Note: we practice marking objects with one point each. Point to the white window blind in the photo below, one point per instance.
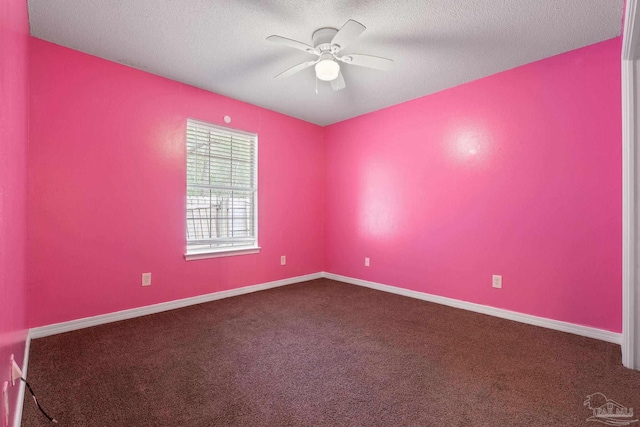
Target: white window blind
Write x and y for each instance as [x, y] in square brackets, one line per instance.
[221, 188]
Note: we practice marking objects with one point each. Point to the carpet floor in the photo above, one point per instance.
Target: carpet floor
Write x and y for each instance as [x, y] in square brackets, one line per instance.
[323, 353]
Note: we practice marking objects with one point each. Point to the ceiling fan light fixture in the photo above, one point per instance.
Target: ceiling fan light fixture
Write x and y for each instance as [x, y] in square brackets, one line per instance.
[327, 69]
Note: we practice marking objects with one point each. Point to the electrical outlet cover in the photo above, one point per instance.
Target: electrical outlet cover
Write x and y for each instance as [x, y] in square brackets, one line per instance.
[146, 279]
[496, 281]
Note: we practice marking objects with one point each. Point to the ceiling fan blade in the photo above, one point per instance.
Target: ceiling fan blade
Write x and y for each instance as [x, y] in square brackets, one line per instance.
[292, 43]
[369, 61]
[295, 69]
[338, 83]
[349, 31]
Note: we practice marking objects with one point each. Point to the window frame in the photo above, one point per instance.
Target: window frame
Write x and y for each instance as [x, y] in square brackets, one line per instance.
[204, 253]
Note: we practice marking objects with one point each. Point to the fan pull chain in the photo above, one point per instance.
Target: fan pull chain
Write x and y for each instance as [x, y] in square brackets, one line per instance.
[316, 84]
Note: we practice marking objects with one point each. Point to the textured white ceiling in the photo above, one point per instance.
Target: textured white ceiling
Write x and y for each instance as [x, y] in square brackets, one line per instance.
[220, 46]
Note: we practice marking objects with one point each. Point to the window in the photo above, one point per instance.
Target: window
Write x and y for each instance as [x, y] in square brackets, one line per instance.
[222, 191]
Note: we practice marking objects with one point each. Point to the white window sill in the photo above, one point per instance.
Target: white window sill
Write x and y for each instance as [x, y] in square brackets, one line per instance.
[191, 256]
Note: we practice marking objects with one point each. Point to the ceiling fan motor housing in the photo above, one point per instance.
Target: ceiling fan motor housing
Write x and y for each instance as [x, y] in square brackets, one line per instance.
[322, 39]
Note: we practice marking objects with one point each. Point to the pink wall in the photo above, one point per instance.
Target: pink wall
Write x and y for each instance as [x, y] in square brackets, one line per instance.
[516, 174]
[14, 98]
[107, 189]
[539, 202]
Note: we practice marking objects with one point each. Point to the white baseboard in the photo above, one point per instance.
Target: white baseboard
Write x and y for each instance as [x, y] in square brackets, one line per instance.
[86, 322]
[557, 325]
[72, 325]
[17, 417]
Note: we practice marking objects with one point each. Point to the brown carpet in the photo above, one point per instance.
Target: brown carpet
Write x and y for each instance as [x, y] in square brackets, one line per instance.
[322, 353]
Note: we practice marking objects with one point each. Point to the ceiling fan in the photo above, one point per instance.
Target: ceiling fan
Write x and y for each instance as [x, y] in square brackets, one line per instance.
[327, 43]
